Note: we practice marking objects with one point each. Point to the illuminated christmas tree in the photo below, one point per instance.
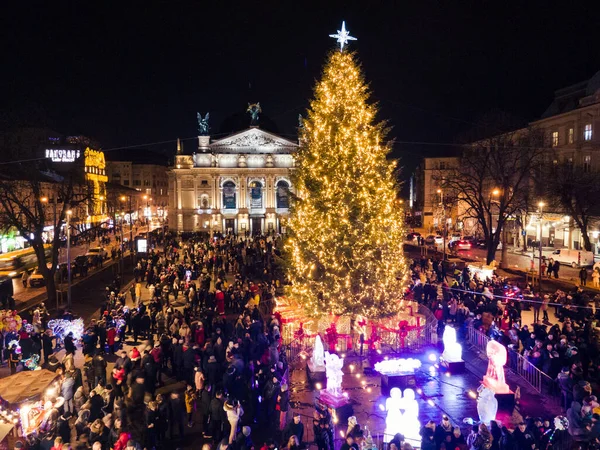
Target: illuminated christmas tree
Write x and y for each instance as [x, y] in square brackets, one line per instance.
[346, 231]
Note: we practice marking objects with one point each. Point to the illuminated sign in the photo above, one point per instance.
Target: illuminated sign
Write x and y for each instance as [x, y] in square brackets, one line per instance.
[62, 155]
[142, 245]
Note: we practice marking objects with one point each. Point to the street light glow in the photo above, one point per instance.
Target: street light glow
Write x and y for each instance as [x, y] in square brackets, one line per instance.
[541, 204]
[44, 199]
[439, 191]
[496, 191]
[69, 212]
[123, 198]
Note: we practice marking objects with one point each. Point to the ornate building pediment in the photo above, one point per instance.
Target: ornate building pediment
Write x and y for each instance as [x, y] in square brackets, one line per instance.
[254, 140]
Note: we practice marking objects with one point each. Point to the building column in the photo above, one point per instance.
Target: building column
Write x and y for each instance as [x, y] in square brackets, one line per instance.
[178, 190]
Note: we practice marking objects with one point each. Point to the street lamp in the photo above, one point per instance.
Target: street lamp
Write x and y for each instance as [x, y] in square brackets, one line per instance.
[444, 229]
[123, 198]
[541, 207]
[69, 213]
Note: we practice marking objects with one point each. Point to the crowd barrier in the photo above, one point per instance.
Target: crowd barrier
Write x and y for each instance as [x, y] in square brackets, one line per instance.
[520, 366]
[426, 334]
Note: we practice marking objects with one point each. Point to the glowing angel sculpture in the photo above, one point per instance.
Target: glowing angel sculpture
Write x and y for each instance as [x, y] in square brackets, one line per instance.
[394, 417]
[494, 378]
[318, 356]
[333, 372]
[452, 349]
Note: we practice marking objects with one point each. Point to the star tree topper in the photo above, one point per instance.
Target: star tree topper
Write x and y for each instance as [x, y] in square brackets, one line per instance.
[343, 36]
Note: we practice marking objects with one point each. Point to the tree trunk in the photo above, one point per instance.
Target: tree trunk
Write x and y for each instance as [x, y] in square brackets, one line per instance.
[587, 244]
[50, 291]
[491, 252]
[504, 261]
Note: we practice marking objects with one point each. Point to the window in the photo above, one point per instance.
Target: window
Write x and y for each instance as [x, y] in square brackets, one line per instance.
[149, 191]
[571, 135]
[555, 139]
[587, 133]
[137, 182]
[229, 199]
[442, 165]
[204, 183]
[282, 192]
[587, 163]
[125, 182]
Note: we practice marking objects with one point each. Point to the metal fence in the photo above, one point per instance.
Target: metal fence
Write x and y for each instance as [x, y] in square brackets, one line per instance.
[520, 366]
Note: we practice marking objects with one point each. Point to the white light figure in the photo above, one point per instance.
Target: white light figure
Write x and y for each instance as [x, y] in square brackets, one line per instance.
[410, 425]
[397, 366]
[394, 417]
[333, 372]
[452, 349]
[342, 36]
[487, 405]
[317, 361]
[494, 377]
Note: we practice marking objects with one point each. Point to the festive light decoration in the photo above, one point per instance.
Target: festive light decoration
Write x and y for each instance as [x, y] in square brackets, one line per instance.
[346, 230]
[317, 360]
[397, 366]
[487, 405]
[32, 363]
[410, 424]
[452, 349]
[342, 36]
[393, 419]
[333, 372]
[494, 378]
[62, 327]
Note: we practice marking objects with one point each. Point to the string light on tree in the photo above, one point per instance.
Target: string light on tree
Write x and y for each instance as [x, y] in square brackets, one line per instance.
[345, 247]
[342, 36]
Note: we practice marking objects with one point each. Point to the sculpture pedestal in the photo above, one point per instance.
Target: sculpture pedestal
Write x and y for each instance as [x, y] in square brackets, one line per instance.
[339, 403]
[506, 402]
[402, 381]
[495, 385]
[316, 374]
[453, 366]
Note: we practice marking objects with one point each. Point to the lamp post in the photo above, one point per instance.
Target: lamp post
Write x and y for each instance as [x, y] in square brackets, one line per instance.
[123, 198]
[69, 213]
[439, 191]
[541, 206]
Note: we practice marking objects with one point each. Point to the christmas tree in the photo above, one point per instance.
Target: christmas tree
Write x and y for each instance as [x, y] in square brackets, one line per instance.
[346, 230]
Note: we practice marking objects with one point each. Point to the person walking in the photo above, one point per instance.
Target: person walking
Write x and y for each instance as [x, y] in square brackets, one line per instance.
[596, 278]
[583, 276]
[555, 268]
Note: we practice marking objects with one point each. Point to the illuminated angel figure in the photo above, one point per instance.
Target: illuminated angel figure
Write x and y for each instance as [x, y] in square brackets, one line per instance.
[254, 110]
[494, 378]
[318, 356]
[333, 372]
[393, 419]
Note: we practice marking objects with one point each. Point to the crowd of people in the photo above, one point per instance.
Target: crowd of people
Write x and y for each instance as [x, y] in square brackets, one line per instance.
[567, 350]
[203, 352]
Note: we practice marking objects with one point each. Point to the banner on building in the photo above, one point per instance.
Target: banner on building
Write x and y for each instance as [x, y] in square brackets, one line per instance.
[283, 200]
[229, 197]
[256, 197]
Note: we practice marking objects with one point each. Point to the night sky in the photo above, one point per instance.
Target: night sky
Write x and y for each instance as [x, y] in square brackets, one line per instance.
[129, 73]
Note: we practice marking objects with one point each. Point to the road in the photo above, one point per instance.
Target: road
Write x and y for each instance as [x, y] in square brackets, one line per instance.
[23, 294]
[520, 261]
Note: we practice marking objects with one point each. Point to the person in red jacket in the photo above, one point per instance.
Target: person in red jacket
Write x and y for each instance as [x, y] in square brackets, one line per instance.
[111, 334]
[220, 301]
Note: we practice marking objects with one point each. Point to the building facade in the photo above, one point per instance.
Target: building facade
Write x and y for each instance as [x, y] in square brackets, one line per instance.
[145, 172]
[571, 126]
[239, 184]
[427, 197]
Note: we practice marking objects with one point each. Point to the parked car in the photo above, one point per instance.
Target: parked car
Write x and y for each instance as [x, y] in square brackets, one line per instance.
[461, 244]
[434, 239]
[455, 237]
[36, 279]
[97, 251]
[481, 243]
[414, 236]
[573, 258]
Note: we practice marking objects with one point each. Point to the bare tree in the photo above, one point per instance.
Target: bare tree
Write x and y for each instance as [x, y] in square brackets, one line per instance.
[493, 181]
[573, 189]
[34, 196]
